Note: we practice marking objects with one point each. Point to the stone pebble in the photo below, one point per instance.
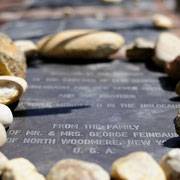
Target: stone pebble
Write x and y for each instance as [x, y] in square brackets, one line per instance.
[77, 170]
[140, 50]
[11, 89]
[137, 166]
[21, 169]
[6, 116]
[3, 135]
[161, 21]
[12, 60]
[3, 161]
[173, 68]
[80, 44]
[28, 47]
[171, 164]
[167, 49]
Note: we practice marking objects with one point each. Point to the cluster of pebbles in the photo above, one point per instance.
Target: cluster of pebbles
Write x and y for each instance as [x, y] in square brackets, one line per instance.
[86, 44]
[72, 44]
[165, 53]
[135, 166]
[12, 81]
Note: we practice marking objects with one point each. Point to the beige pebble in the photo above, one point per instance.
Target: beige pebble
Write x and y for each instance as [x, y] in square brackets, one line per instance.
[3, 135]
[11, 89]
[27, 47]
[80, 44]
[3, 161]
[76, 170]
[178, 88]
[137, 166]
[140, 50]
[20, 169]
[12, 60]
[167, 49]
[173, 68]
[171, 164]
[68, 11]
[162, 22]
[6, 117]
[121, 53]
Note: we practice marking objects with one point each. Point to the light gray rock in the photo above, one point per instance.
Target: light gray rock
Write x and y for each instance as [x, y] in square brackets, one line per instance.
[20, 169]
[6, 117]
[76, 169]
[171, 164]
[11, 89]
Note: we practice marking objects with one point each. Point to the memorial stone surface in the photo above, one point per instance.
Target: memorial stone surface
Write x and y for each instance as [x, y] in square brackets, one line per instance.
[96, 112]
[55, 3]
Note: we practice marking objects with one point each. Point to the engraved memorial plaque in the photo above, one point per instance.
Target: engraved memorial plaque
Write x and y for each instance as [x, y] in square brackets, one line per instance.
[62, 3]
[95, 112]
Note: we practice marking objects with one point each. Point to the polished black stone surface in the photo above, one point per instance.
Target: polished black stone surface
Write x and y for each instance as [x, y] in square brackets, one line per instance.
[144, 4]
[96, 112]
[36, 29]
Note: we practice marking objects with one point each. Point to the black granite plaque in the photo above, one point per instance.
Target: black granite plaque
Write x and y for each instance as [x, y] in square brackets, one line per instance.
[36, 29]
[95, 112]
[144, 4]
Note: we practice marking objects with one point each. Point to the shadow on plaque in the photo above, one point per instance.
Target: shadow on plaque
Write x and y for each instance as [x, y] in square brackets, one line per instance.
[13, 105]
[151, 66]
[167, 83]
[175, 99]
[172, 143]
[133, 27]
[37, 61]
[46, 111]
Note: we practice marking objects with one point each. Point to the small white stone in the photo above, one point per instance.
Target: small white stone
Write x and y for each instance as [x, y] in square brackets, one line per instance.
[162, 22]
[171, 164]
[77, 170]
[21, 169]
[137, 166]
[3, 135]
[6, 117]
[3, 161]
